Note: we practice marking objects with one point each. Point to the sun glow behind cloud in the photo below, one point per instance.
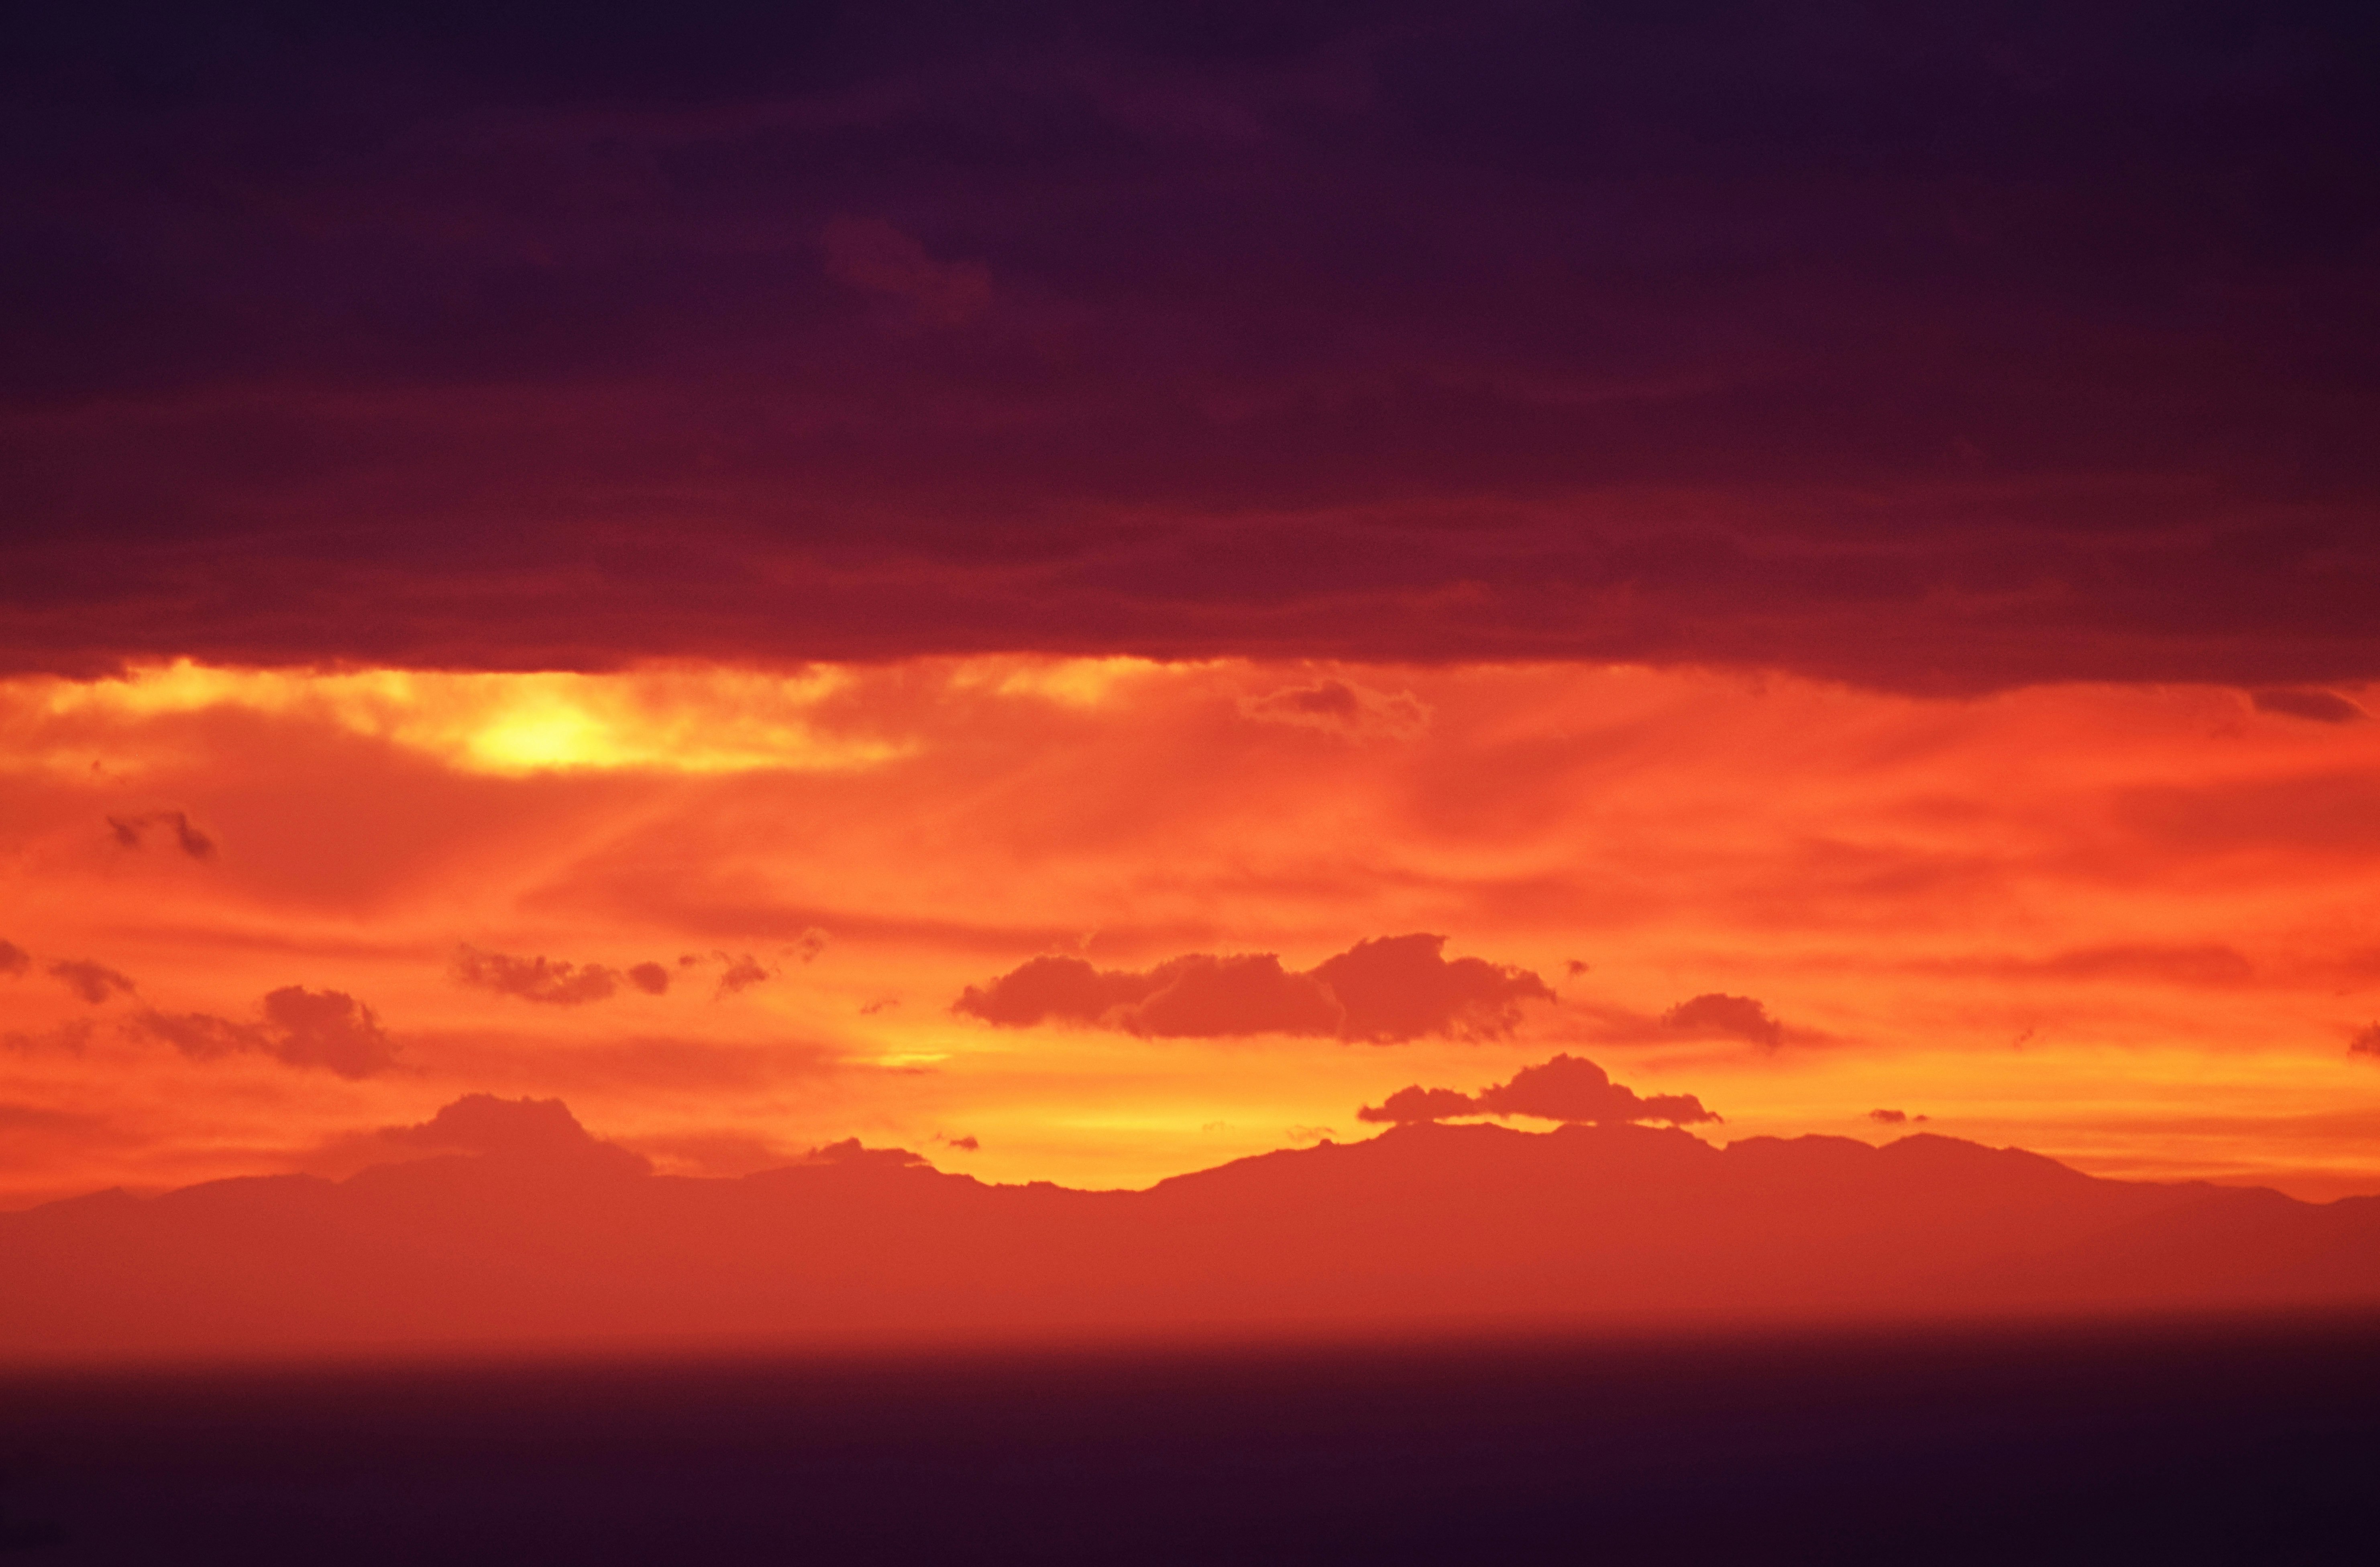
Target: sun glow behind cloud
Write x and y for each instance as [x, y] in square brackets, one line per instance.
[509, 724]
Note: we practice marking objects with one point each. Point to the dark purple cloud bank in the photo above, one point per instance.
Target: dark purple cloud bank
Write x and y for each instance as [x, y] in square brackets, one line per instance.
[1937, 349]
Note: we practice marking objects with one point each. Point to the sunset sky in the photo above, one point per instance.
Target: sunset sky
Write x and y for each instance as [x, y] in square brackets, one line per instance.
[733, 573]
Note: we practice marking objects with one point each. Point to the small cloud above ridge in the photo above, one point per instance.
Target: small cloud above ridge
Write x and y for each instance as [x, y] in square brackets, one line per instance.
[1566, 1088]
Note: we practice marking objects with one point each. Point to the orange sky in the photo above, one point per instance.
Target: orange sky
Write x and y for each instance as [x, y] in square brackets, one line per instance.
[2130, 926]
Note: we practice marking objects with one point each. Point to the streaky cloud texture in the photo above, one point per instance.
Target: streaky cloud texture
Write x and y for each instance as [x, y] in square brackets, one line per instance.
[1385, 990]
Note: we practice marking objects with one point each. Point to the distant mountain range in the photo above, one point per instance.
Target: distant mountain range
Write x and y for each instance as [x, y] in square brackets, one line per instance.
[560, 1240]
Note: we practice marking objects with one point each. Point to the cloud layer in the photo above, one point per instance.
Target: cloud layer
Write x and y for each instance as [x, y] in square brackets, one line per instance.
[1910, 348]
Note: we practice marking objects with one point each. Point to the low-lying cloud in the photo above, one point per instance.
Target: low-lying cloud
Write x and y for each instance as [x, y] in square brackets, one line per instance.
[13, 959]
[328, 1029]
[1567, 1088]
[513, 1130]
[1380, 991]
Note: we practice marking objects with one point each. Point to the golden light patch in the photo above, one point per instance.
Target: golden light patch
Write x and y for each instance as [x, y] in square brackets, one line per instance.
[511, 725]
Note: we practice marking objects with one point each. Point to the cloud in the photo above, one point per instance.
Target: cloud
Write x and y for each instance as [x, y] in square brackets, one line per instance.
[849, 1154]
[329, 1029]
[1738, 1018]
[871, 255]
[1417, 1104]
[2366, 1040]
[2316, 706]
[1401, 987]
[524, 1130]
[554, 983]
[129, 832]
[541, 980]
[969, 1144]
[740, 975]
[1384, 991]
[95, 982]
[1341, 707]
[13, 959]
[1566, 1088]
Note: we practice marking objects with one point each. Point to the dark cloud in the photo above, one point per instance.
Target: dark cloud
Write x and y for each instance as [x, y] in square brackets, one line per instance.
[1401, 987]
[538, 978]
[95, 982]
[328, 1029]
[13, 959]
[849, 1154]
[969, 1144]
[1417, 1104]
[1934, 346]
[1382, 991]
[2320, 707]
[1735, 1017]
[2365, 1041]
[541, 1131]
[1341, 707]
[650, 978]
[130, 832]
[1566, 1088]
[740, 975]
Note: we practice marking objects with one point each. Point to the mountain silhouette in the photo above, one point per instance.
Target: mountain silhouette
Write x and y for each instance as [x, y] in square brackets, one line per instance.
[555, 1239]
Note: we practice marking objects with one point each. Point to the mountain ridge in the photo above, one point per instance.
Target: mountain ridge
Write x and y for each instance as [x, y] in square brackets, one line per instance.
[1427, 1226]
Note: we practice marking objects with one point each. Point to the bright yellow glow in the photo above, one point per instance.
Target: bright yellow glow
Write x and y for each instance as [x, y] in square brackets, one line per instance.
[515, 723]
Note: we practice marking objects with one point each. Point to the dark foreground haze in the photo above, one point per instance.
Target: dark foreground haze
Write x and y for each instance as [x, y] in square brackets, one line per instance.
[2210, 1440]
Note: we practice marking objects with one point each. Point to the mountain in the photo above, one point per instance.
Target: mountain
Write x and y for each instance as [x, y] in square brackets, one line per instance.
[564, 1241]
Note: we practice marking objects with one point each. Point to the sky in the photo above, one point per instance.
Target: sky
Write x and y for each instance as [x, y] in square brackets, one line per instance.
[1093, 589]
